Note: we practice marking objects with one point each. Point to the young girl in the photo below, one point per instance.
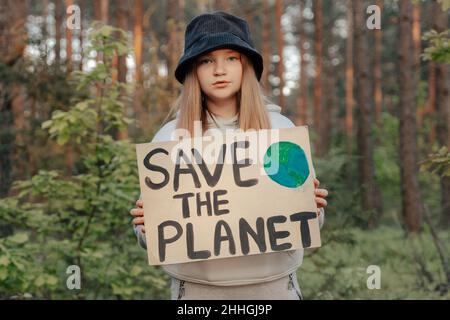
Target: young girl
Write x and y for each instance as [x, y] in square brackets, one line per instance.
[220, 72]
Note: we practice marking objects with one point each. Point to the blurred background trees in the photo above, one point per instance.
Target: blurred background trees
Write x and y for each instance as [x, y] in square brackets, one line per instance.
[74, 101]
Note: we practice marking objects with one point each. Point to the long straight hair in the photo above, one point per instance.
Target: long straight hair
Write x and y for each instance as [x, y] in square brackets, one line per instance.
[250, 101]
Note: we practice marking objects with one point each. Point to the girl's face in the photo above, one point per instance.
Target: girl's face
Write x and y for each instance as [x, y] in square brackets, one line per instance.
[220, 74]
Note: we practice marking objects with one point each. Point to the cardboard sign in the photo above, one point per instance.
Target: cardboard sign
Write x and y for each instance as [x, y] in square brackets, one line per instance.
[228, 195]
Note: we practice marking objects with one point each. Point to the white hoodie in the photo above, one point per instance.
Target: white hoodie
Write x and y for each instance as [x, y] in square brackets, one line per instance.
[236, 270]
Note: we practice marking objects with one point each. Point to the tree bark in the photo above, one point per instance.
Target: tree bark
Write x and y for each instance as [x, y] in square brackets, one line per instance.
[68, 42]
[13, 41]
[223, 5]
[280, 46]
[349, 101]
[266, 45]
[371, 200]
[317, 7]
[303, 94]
[82, 4]
[378, 94]
[411, 195]
[120, 61]
[417, 35]
[138, 17]
[329, 83]
[138, 12]
[58, 23]
[172, 45]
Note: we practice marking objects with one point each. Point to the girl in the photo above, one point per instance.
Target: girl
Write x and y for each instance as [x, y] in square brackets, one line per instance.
[220, 72]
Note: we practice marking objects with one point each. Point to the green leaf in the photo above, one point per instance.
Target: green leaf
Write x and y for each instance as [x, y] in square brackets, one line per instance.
[46, 124]
[4, 261]
[445, 4]
[40, 281]
[62, 138]
[51, 280]
[135, 271]
[19, 238]
[3, 274]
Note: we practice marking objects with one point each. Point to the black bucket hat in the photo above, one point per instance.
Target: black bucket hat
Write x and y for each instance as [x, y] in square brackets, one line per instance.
[216, 30]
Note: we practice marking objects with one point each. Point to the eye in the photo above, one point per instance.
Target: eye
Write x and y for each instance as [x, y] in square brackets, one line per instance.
[233, 58]
[205, 60]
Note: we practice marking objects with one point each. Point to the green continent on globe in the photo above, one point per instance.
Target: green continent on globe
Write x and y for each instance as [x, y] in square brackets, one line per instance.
[290, 168]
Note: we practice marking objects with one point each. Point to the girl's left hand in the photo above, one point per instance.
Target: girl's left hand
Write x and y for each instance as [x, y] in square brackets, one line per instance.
[321, 194]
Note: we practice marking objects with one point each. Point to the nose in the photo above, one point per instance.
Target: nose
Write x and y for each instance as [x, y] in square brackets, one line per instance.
[219, 68]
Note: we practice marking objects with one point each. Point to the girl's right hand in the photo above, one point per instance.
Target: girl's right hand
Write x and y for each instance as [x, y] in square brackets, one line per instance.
[138, 214]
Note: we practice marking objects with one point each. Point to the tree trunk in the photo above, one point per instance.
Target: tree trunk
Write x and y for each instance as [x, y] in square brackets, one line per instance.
[349, 81]
[223, 5]
[172, 45]
[329, 83]
[69, 149]
[371, 200]
[45, 30]
[303, 94]
[138, 12]
[266, 45]
[101, 10]
[58, 23]
[120, 61]
[104, 10]
[317, 7]
[411, 198]
[378, 94]
[13, 40]
[443, 110]
[138, 17]
[416, 34]
[82, 4]
[280, 45]
[68, 42]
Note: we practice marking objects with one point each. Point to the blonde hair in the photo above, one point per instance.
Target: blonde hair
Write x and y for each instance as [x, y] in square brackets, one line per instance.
[250, 99]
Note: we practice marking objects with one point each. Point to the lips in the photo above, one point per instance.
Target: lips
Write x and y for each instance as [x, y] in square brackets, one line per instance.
[221, 82]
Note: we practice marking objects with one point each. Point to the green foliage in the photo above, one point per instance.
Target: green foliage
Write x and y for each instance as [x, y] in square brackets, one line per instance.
[439, 48]
[54, 221]
[345, 208]
[445, 4]
[387, 168]
[81, 122]
[438, 163]
[410, 267]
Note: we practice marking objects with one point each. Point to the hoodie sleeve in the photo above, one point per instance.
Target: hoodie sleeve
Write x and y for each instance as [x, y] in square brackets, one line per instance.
[321, 217]
[322, 210]
[138, 232]
[140, 236]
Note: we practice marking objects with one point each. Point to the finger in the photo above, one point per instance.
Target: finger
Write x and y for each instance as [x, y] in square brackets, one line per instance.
[321, 202]
[137, 212]
[316, 183]
[139, 220]
[321, 192]
[140, 203]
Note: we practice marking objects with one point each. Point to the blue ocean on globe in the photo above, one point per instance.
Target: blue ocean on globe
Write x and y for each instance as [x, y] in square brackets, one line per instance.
[293, 168]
